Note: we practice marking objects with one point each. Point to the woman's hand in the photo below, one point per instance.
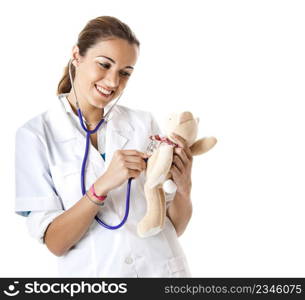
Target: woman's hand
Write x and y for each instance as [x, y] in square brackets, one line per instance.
[124, 164]
[181, 168]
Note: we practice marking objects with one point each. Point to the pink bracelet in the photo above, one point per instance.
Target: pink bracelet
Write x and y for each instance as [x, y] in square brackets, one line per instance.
[101, 198]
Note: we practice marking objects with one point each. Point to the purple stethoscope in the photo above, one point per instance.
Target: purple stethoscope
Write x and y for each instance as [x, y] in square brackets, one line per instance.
[86, 156]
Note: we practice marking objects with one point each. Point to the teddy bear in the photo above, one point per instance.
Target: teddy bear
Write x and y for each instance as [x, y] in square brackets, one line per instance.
[158, 176]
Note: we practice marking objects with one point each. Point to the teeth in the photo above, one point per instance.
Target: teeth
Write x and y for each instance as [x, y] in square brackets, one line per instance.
[102, 90]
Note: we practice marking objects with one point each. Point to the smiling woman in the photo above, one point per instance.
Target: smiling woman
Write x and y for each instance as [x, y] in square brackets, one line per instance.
[103, 60]
[101, 75]
[59, 212]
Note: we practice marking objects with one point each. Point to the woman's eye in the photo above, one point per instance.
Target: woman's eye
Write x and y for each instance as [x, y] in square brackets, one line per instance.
[125, 74]
[106, 66]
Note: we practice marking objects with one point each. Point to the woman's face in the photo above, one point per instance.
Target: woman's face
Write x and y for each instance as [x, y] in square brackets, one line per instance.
[102, 74]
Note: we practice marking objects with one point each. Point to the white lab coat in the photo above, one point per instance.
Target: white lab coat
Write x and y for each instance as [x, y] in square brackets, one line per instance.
[49, 152]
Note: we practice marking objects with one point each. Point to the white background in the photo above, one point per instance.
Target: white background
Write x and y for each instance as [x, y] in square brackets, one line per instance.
[238, 65]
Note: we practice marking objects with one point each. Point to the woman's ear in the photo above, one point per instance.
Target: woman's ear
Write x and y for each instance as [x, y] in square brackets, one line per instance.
[75, 56]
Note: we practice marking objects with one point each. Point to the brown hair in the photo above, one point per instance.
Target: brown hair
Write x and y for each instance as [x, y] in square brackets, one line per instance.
[96, 30]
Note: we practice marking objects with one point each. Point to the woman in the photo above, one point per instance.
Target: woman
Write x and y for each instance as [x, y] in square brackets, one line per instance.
[49, 153]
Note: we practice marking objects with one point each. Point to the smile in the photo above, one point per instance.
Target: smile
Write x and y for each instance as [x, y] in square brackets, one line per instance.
[103, 92]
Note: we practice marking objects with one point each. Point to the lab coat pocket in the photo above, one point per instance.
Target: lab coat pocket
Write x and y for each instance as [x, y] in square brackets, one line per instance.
[178, 267]
[70, 167]
[66, 177]
[65, 168]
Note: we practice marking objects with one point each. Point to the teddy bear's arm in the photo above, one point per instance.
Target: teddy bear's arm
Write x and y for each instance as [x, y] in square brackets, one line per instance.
[159, 165]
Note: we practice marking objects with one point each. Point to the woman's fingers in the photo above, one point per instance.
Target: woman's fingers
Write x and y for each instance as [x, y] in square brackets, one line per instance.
[178, 162]
[134, 166]
[134, 162]
[134, 153]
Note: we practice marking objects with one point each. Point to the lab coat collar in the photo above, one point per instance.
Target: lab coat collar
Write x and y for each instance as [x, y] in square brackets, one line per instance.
[68, 108]
[119, 130]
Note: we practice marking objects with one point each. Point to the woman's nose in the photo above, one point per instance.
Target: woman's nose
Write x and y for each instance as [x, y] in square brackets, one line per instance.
[111, 79]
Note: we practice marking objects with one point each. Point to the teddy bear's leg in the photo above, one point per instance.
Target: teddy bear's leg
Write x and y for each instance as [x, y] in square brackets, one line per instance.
[153, 221]
[162, 205]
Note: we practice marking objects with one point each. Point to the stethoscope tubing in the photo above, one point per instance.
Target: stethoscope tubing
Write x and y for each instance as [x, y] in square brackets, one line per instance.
[89, 132]
[83, 169]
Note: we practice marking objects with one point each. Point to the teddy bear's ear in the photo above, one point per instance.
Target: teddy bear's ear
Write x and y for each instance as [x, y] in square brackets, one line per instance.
[203, 145]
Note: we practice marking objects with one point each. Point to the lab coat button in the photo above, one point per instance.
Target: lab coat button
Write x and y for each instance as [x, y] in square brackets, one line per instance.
[128, 260]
